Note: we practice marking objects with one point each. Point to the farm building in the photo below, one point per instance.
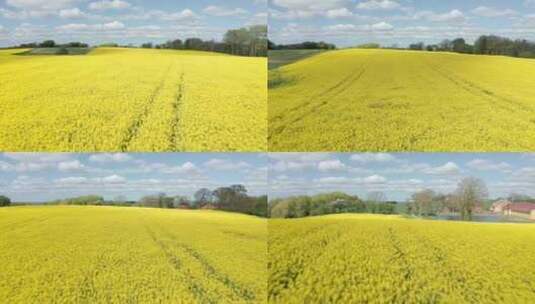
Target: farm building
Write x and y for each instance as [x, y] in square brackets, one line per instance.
[521, 209]
[184, 205]
[499, 206]
[209, 206]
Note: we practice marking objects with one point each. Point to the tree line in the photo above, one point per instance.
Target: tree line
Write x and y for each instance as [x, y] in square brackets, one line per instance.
[246, 41]
[484, 45]
[468, 197]
[329, 203]
[51, 44]
[233, 198]
[4, 201]
[307, 45]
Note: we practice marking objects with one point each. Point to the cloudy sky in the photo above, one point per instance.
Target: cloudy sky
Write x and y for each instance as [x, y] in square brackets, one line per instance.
[351, 22]
[398, 175]
[123, 21]
[37, 177]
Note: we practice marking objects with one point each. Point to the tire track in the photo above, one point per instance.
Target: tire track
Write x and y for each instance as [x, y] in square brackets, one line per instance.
[194, 287]
[480, 91]
[291, 274]
[133, 129]
[400, 256]
[175, 137]
[211, 272]
[323, 98]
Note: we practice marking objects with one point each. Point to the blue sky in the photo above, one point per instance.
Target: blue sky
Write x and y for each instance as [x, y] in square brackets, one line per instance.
[37, 177]
[398, 175]
[389, 22]
[124, 21]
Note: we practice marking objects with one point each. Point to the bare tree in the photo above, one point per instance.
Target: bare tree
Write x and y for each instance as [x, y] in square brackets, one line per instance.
[470, 193]
[203, 196]
[423, 201]
[376, 197]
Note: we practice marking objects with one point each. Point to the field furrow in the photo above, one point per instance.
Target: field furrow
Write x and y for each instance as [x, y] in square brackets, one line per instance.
[116, 99]
[131, 255]
[404, 101]
[388, 259]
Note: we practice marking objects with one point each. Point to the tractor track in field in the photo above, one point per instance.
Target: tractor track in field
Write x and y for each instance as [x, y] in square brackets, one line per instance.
[475, 89]
[243, 236]
[176, 136]
[192, 285]
[136, 125]
[322, 99]
[88, 290]
[400, 257]
[211, 273]
[442, 261]
[291, 274]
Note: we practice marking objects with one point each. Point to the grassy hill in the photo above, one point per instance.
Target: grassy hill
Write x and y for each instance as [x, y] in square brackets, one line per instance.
[80, 254]
[278, 58]
[57, 51]
[389, 259]
[391, 100]
[121, 99]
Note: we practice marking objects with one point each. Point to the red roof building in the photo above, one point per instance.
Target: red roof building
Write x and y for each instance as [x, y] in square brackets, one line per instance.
[521, 207]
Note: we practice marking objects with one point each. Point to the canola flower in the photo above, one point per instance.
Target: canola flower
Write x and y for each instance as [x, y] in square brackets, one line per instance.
[391, 100]
[115, 99]
[83, 254]
[390, 259]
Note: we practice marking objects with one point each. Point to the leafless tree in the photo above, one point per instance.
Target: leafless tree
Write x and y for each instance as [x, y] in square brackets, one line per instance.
[470, 193]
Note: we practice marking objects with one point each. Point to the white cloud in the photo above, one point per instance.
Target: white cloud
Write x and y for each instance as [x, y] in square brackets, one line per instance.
[143, 166]
[339, 13]
[310, 5]
[296, 161]
[331, 165]
[114, 25]
[485, 11]
[220, 11]
[110, 157]
[41, 5]
[113, 179]
[73, 180]
[382, 26]
[374, 179]
[373, 157]
[451, 16]
[486, 165]
[449, 168]
[341, 27]
[222, 164]
[107, 5]
[73, 165]
[72, 13]
[110, 26]
[378, 5]
[38, 157]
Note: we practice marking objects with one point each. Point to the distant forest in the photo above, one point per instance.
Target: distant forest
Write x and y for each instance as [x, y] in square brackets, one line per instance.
[233, 198]
[330, 203]
[307, 45]
[484, 45]
[249, 41]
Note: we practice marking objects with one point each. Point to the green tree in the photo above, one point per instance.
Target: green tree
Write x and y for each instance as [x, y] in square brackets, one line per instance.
[4, 201]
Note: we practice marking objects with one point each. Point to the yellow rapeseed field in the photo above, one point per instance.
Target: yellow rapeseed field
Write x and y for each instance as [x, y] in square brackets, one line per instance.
[117, 99]
[390, 100]
[389, 259]
[68, 254]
